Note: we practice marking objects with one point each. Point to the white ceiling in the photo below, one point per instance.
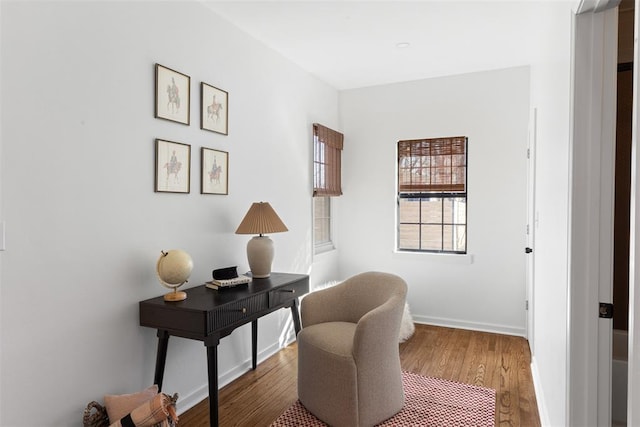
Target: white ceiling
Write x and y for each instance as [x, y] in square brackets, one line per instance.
[351, 44]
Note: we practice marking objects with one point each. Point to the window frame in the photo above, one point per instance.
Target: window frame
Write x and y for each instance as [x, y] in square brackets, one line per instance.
[327, 179]
[323, 245]
[425, 190]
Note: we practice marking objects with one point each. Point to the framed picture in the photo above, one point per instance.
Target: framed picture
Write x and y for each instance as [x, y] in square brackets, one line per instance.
[215, 172]
[173, 167]
[173, 95]
[214, 104]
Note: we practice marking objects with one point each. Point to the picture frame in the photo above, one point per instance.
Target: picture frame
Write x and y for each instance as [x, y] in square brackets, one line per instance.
[173, 167]
[173, 95]
[214, 109]
[214, 171]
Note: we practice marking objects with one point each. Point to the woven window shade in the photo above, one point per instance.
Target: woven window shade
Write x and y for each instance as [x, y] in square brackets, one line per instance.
[327, 152]
[432, 165]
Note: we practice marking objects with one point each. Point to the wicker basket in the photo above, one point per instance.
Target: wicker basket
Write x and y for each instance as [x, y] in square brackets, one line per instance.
[95, 415]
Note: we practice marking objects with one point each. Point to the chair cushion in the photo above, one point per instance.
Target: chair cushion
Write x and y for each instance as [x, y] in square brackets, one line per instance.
[332, 337]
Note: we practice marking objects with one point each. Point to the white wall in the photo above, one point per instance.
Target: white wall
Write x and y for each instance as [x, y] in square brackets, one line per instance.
[1, 210]
[485, 290]
[550, 93]
[84, 227]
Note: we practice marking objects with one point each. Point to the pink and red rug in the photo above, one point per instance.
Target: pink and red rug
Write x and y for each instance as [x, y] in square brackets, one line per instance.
[428, 402]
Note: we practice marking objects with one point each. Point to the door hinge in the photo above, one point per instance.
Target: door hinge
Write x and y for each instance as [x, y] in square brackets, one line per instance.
[606, 310]
[526, 305]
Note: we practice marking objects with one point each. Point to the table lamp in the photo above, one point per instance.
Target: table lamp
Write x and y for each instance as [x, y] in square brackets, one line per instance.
[260, 219]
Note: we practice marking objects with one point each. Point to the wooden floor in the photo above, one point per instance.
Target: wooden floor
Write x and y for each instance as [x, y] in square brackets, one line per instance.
[501, 362]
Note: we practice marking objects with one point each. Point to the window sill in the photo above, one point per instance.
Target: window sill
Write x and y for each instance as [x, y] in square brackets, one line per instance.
[323, 248]
[436, 258]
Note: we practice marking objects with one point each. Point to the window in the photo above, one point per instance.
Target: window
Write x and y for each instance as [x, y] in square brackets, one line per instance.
[322, 221]
[327, 150]
[432, 195]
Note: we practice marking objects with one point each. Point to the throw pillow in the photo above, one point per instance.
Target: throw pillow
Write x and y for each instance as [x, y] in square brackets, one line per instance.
[120, 405]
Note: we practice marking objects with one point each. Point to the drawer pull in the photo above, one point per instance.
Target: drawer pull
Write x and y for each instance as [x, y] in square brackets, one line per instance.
[293, 291]
[242, 310]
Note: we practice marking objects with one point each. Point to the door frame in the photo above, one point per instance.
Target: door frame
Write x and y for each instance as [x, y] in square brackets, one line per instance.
[633, 388]
[531, 227]
[591, 220]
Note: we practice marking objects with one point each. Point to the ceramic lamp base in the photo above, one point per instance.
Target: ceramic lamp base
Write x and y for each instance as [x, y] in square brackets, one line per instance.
[260, 254]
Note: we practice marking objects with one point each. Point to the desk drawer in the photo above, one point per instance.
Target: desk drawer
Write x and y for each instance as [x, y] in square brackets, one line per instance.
[237, 311]
[288, 292]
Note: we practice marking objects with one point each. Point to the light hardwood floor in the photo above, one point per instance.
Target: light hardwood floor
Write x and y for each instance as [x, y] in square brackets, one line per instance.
[501, 362]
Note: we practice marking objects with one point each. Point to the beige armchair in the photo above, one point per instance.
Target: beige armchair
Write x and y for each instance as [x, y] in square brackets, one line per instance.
[348, 358]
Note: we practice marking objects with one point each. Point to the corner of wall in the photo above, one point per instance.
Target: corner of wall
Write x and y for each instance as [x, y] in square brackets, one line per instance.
[540, 396]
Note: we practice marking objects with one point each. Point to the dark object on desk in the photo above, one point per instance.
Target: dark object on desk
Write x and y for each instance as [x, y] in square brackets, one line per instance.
[208, 316]
[225, 273]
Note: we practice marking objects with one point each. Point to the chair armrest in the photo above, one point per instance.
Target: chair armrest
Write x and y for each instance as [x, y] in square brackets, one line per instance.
[376, 336]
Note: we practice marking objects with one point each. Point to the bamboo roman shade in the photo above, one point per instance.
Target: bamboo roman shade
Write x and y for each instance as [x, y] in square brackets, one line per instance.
[432, 165]
[327, 152]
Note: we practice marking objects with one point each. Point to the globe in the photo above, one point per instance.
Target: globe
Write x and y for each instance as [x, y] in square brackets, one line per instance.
[174, 269]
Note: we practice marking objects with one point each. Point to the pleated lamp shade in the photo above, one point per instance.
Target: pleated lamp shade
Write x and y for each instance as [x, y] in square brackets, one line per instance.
[261, 219]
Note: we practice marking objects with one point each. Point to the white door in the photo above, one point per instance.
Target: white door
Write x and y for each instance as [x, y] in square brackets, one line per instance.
[607, 190]
[591, 262]
[531, 226]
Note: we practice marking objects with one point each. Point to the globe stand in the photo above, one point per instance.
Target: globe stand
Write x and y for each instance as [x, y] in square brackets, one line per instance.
[175, 295]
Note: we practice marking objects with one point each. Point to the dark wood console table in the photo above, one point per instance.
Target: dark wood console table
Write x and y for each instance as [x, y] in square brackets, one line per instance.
[208, 315]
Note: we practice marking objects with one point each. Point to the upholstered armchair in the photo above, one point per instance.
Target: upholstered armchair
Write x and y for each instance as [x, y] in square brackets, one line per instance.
[348, 357]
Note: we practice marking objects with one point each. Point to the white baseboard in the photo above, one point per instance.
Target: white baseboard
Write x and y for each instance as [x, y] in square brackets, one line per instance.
[473, 326]
[200, 393]
[537, 387]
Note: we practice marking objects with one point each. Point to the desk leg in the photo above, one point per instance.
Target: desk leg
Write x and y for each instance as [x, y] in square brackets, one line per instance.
[212, 365]
[296, 316]
[254, 343]
[161, 357]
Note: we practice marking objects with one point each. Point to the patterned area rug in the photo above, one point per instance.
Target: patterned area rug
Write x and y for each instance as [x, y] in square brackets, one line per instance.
[428, 402]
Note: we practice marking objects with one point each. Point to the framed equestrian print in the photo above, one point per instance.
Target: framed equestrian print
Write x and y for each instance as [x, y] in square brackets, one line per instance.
[173, 95]
[214, 171]
[214, 109]
[173, 167]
